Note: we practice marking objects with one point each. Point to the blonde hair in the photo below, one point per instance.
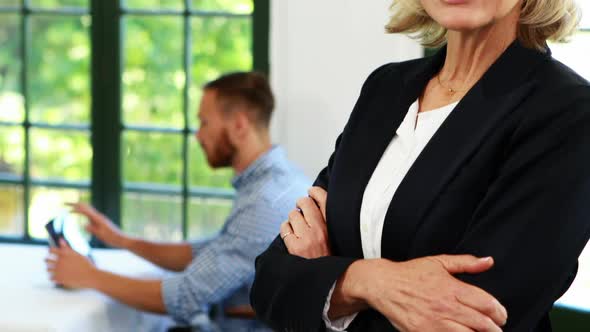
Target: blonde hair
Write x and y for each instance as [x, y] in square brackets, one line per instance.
[540, 20]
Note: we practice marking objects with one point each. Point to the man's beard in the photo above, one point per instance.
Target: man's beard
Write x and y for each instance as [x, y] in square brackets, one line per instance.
[223, 153]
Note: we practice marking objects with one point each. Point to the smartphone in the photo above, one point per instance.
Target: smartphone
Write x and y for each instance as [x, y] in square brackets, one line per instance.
[64, 227]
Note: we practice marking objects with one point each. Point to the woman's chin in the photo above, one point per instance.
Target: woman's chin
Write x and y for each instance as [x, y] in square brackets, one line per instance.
[464, 25]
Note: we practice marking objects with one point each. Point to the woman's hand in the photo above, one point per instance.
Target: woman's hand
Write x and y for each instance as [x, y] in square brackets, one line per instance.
[100, 226]
[417, 295]
[422, 294]
[305, 233]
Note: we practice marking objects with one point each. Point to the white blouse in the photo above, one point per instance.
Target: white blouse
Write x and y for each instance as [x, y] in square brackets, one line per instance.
[411, 137]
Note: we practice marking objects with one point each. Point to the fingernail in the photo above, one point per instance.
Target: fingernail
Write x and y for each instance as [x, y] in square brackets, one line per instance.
[486, 259]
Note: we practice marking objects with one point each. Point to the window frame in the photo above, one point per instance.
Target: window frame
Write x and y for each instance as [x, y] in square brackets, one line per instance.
[106, 185]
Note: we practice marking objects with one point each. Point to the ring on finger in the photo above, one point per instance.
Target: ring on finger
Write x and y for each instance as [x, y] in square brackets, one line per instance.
[283, 236]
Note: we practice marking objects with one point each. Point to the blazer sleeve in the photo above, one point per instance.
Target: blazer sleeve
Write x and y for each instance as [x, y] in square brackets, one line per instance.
[289, 292]
[535, 218]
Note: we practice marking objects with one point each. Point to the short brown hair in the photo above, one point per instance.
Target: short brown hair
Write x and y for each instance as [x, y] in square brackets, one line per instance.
[249, 88]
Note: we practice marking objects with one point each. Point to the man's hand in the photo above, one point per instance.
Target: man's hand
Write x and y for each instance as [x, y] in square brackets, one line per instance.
[100, 226]
[68, 268]
[305, 233]
[171, 256]
[422, 294]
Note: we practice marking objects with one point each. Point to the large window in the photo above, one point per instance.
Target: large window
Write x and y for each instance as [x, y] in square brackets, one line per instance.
[98, 102]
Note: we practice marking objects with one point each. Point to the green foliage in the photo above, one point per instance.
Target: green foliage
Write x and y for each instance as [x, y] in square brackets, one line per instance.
[152, 157]
[11, 3]
[59, 3]
[59, 70]
[151, 4]
[12, 153]
[153, 79]
[61, 155]
[232, 6]
[11, 101]
[11, 210]
[239, 6]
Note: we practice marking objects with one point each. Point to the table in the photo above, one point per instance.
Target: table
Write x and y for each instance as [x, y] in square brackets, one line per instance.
[29, 302]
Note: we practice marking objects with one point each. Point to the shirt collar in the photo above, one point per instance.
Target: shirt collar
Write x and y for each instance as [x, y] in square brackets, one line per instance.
[266, 160]
[406, 129]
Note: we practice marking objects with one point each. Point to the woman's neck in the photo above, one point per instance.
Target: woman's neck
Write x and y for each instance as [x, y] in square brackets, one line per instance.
[470, 54]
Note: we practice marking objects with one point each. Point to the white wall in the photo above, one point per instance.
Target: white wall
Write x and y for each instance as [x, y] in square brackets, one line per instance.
[321, 53]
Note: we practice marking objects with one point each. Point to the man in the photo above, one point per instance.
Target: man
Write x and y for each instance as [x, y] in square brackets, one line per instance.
[234, 116]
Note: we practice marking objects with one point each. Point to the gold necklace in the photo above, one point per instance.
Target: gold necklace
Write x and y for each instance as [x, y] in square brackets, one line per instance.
[451, 90]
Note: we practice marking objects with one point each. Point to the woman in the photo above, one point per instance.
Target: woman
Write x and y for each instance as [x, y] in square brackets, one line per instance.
[480, 150]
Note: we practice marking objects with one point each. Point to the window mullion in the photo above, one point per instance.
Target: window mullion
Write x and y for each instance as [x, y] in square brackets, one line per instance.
[187, 64]
[25, 48]
[260, 36]
[106, 108]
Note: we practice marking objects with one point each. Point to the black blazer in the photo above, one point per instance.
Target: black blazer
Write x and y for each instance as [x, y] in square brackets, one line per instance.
[507, 175]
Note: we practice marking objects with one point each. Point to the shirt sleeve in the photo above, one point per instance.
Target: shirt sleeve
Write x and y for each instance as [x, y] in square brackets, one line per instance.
[221, 267]
[197, 246]
[336, 325]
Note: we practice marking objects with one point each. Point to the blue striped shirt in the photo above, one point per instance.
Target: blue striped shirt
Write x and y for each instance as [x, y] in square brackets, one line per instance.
[222, 269]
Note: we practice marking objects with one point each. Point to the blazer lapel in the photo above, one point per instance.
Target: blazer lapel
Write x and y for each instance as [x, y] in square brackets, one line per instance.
[365, 148]
[486, 104]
